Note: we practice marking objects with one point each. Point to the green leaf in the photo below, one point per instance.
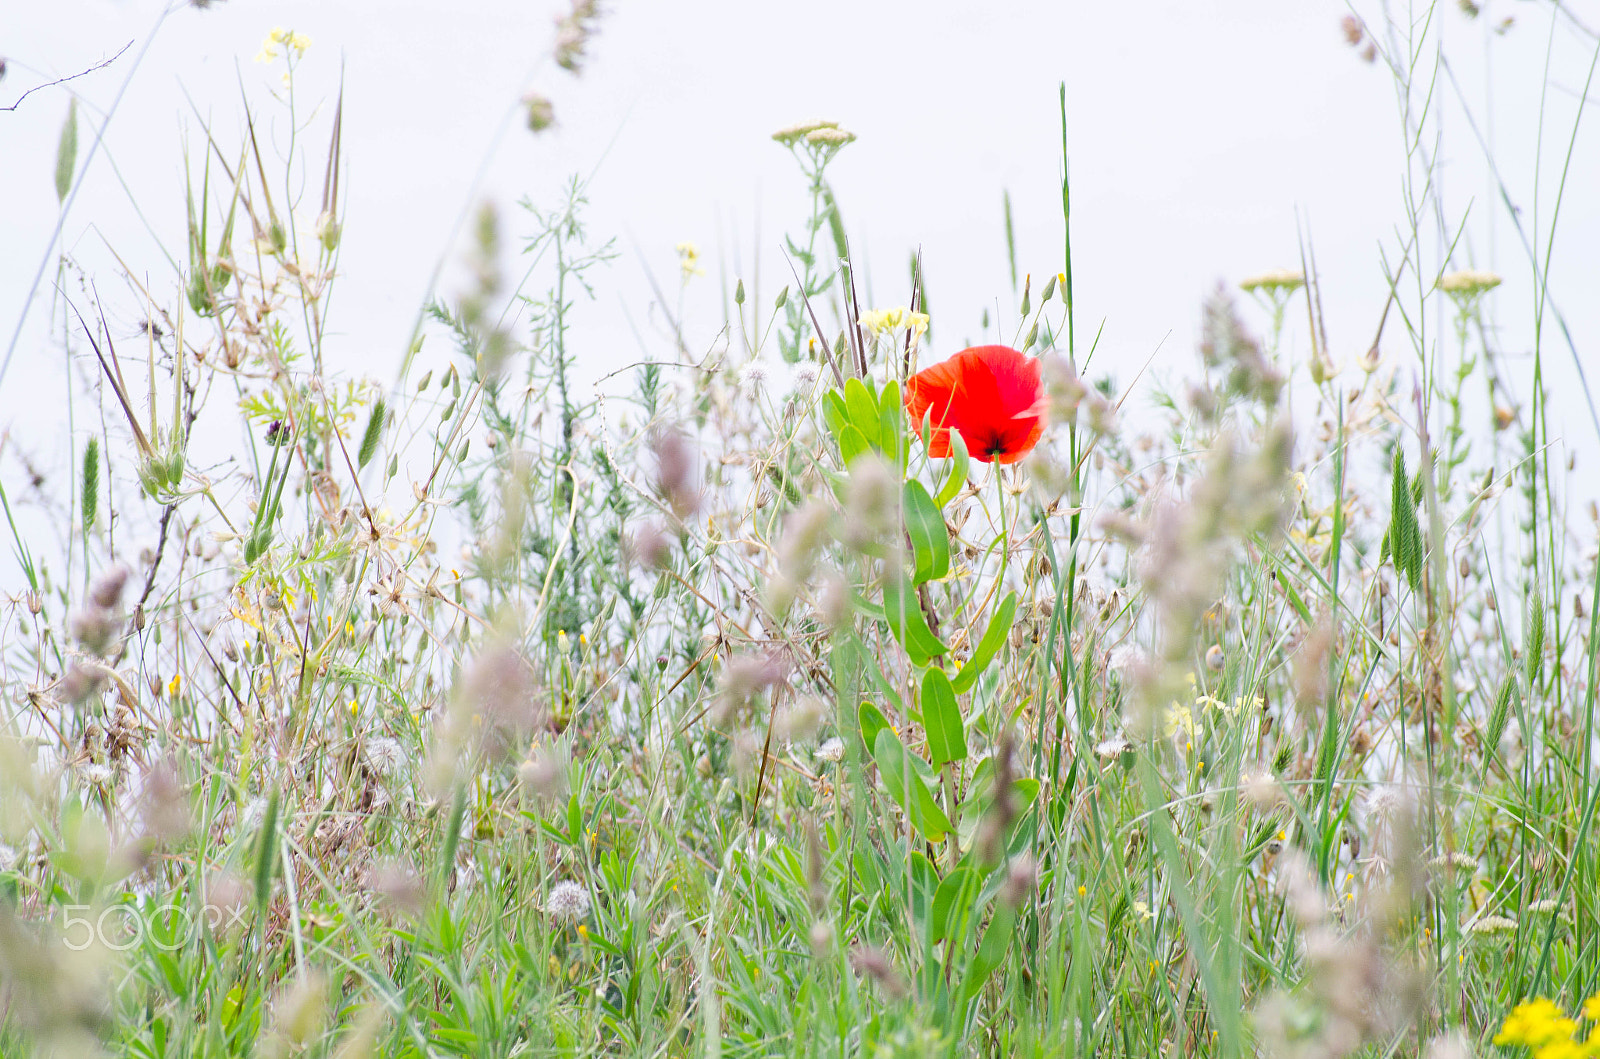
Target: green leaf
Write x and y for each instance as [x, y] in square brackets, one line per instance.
[941, 719]
[852, 444]
[67, 152]
[953, 903]
[991, 950]
[993, 637]
[374, 432]
[872, 722]
[834, 411]
[905, 785]
[267, 849]
[892, 424]
[959, 462]
[930, 540]
[924, 885]
[979, 801]
[1293, 597]
[863, 409]
[574, 820]
[903, 612]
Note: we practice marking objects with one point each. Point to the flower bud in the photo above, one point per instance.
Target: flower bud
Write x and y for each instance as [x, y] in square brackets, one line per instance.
[541, 112]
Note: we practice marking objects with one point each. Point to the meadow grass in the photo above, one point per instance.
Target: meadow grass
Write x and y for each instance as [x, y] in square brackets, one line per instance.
[482, 715]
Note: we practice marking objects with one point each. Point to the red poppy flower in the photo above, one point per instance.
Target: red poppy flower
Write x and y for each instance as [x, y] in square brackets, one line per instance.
[991, 394]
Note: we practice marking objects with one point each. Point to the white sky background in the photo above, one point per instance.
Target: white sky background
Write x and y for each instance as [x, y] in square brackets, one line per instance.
[1197, 129]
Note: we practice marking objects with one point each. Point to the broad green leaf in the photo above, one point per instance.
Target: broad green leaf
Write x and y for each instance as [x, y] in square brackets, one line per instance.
[953, 903]
[892, 424]
[930, 540]
[959, 463]
[852, 444]
[872, 722]
[903, 612]
[574, 820]
[869, 866]
[941, 719]
[924, 884]
[991, 950]
[863, 409]
[67, 152]
[834, 411]
[993, 637]
[903, 781]
[979, 800]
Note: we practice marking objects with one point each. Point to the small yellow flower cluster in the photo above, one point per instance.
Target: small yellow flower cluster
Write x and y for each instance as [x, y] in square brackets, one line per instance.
[689, 260]
[1274, 280]
[818, 132]
[286, 38]
[1544, 1029]
[1180, 718]
[890, 321]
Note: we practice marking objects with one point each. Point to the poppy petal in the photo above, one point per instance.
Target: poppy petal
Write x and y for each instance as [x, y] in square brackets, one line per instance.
[991, 394]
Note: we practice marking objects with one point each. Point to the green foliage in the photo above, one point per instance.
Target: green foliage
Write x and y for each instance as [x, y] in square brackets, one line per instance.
[685, 717]
[67, 151]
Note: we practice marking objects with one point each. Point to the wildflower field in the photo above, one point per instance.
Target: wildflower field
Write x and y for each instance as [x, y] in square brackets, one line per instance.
[815, 685]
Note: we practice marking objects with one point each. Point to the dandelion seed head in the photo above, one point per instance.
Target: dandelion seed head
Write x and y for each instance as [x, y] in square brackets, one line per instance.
[568, 900]
[1113, 748]
[832, 750]
[385, 756]
[754, 375]
[1127, 660]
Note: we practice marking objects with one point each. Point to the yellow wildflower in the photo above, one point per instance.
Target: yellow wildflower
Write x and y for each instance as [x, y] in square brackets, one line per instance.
[1179, 718]
[1535, 1023]
[890, 321]
[286, 38]
[1275, 280]
[689, 260]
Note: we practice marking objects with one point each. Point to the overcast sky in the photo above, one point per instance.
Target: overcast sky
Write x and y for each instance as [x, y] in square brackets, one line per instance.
[1200, 134]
